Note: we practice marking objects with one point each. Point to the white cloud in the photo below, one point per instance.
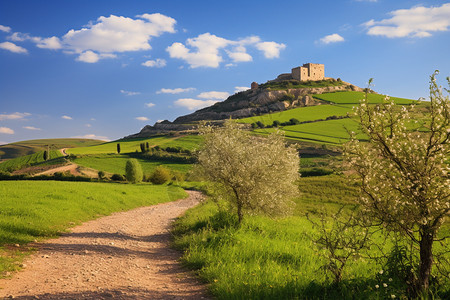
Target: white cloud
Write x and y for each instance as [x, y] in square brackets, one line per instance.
[149, 104]
[5, 28]
[49, 43]
[175, 91]
[270, 49]
[142, 118]
[31, 128]
[158, 63]
[88, 125]
[12, 47]
[92, 57]
[214, 95]
[66, 118]
[417, 21]
[14, 116]
[331, 38]
[205, 50]
[238, 89]
[128, 93]
[92, 137]
[194, 104]
[6, 130]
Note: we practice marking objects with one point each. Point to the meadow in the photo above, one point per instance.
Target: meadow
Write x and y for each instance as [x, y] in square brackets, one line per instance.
[268, 258]
[115, 163]
[36, 210]
[30, 160]
[355, 97]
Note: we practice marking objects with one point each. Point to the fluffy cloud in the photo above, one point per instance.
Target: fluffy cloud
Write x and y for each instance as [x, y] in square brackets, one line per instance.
[238, 89]
[214, 95]
[103, 38]
[158, 63]
[6, 130]
[332, 38]
[66, 118]
[14, 116]
[417, 21]
[270, 49]
[92, 137]
[142, 118]
[206, 50]
[31, 128]
[128, 93]
[175, 91]
[150, 104]
[5, 28]
[194, 104]
[12, 47]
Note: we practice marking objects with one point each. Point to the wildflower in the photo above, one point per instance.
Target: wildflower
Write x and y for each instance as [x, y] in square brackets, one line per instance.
[377, 286]
[381, 272]
[392, 296]
[390, 279]
[385, 285]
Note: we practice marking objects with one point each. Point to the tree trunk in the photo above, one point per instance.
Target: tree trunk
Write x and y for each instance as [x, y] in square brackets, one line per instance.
[426, 259]
[239, 212]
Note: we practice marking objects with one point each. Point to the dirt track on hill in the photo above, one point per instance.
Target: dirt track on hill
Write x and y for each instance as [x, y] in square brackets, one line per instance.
[122, 256]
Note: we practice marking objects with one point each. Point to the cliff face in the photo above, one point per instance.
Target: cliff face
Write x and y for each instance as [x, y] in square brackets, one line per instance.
[261, 101]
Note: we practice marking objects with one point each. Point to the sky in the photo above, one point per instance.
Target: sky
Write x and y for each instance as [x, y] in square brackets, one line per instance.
[104, 69]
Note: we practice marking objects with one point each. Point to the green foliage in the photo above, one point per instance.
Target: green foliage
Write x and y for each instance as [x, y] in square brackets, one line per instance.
[356, 97]
[45, 156]
[101, 175]
[117, 177]
[160, 175]
[295, 84]
[254, 175]
[133, 171]
[118, 148]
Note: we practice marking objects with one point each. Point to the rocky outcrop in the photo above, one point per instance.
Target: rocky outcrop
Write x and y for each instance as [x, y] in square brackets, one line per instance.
[262, 101]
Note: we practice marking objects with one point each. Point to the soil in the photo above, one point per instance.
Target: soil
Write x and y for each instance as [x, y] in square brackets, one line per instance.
[123, 256]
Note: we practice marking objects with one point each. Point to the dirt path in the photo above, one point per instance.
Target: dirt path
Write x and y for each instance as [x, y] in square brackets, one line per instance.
[122, 256]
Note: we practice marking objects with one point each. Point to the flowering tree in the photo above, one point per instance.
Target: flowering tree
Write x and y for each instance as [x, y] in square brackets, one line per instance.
[404, 170]
[254, 174]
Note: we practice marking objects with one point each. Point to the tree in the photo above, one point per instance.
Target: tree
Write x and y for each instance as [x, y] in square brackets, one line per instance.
[402, 170]
[160, 175]
[45, 155]
[253, 174]
[142, 145]
[118, 148]
[133, 171]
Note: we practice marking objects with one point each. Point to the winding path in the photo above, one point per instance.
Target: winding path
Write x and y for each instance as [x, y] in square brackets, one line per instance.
[122, 256]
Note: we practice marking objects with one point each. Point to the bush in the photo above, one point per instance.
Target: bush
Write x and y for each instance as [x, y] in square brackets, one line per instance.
[160, 175]
[276, 123]
[178, 176]
[133, 171]
[117, 177]
[101, 175]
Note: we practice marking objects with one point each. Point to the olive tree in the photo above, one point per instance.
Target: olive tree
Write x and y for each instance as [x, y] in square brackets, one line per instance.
[254, 174]
[404, 172]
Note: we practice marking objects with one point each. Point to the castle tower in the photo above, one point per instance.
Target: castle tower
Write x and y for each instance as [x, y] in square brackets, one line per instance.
[254, 85]
[309, 71]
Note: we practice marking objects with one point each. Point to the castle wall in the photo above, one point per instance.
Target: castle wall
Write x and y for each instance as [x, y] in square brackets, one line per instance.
[309, 72]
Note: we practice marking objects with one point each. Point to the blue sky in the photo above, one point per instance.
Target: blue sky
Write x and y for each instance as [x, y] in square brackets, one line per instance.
[106, 68]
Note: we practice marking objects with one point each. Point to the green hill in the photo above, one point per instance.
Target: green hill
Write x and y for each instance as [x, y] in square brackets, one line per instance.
[19, 149]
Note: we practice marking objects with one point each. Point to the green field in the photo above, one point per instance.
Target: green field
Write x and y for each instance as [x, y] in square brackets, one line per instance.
[309, 113]
[18, 149]
[35, 210]
[29, 160]
[127, 146]
[114, 163]
[276, 258]
[355, 97]
[325, 132]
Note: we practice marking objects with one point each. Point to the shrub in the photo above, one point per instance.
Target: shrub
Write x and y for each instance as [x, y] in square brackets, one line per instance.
[133, 171]
[177, 176]
[276, 123]
[160, 175]
[117, 177]
[101, 175]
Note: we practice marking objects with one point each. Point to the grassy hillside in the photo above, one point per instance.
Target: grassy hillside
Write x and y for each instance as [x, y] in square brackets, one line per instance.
[355, 97]
[18, 149]
[35, 210]
[132, 145]
[29, 160]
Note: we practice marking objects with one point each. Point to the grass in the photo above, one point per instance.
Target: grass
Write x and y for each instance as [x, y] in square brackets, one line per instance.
[29, 160]
[275, 258]
[23, 148]
[132, 145]
[114, 163]
[295, 84]
[37, 210]
[355, 97]
[325, 132]
[309, 113]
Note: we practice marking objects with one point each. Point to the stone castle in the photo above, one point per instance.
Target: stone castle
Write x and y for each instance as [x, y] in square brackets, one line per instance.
[308, 71]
